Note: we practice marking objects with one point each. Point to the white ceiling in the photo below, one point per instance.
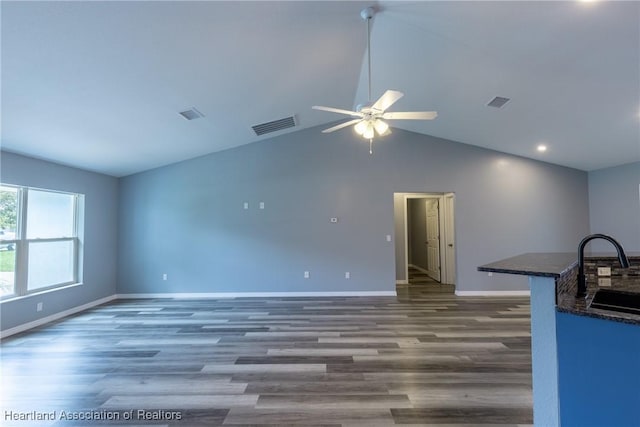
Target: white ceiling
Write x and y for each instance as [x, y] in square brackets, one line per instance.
[98, 85]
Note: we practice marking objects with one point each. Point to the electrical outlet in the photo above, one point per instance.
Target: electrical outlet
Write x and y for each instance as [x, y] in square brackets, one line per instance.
[39, 306]
[605, 282]
[388, 237]
[246, 205]
[261, 205]
[164, 276]
[306, 274]
[604, 271]
[490, 274]
[347, 275]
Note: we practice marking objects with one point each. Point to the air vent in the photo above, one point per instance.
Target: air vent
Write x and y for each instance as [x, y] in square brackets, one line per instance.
[274, 126]
[498, 102]
[191, 114]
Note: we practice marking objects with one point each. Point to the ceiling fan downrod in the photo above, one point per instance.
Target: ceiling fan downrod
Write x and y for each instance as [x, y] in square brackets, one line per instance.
[367, 14]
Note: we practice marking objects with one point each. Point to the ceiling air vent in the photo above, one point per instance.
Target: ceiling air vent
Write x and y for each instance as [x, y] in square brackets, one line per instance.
[498, 102]
[274, 126]
[191, 114]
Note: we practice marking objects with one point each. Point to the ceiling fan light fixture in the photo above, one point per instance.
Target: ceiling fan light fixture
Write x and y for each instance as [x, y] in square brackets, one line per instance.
[360, 127]
[368, 133]
[381, 127]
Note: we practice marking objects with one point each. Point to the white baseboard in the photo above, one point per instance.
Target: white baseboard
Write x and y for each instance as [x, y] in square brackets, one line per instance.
[493, 293]
[56, 316]
[258, 294]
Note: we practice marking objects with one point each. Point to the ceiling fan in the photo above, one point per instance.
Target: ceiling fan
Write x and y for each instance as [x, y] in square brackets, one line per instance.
[368, 118]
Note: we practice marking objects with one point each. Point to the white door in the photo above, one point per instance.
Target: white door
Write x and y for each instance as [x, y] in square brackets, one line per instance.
[433, 240]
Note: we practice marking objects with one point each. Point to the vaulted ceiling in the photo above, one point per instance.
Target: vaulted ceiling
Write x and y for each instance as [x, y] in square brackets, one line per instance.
[98, 85]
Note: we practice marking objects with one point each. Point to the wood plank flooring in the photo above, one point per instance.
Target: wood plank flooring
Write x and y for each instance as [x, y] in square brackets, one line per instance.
[422, 358]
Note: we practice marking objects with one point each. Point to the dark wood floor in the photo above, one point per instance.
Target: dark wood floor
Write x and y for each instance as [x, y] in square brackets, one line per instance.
[423, 358]
[420, 278]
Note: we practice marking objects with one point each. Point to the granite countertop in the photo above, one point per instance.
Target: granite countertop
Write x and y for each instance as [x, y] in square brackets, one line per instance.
[569, 303]
[563, 266]
[544, 264]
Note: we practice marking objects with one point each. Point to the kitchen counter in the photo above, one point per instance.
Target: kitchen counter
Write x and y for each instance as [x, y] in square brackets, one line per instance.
[569, 339]
[569, 303]
[543, 264]
[563, 268]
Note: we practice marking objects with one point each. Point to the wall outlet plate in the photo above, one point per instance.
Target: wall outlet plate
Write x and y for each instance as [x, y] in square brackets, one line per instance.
[306, 274]
[606, 282]
[604, 271]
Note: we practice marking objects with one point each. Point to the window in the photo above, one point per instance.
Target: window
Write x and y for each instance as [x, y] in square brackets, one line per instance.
[39, 239]
[8, 227]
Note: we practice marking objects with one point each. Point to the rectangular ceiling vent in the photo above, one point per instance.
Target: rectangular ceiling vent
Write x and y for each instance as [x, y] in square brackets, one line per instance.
[191, 114]
[498, 102]
[274, 126]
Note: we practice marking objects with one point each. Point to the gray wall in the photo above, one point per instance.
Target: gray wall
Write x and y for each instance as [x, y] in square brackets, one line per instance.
[101, 198]
[187, 219]
[614, 206]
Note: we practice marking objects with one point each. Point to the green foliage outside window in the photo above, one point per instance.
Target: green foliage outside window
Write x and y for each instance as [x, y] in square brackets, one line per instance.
[8, 211]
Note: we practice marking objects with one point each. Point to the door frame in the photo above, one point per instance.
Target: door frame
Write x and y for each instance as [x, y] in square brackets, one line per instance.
[448, 239]
[446, 219]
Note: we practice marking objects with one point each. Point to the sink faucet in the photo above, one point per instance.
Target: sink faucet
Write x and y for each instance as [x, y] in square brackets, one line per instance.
[582, 281]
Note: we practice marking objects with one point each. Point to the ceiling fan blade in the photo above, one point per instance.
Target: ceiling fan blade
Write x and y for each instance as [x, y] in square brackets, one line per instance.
[338, 110]
[410, 115]
[387, 100]
[341, 125]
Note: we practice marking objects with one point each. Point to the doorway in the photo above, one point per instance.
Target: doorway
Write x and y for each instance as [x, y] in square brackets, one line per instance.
[425, 238]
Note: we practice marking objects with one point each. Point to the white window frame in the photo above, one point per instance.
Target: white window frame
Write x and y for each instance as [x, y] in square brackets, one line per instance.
[22, 243]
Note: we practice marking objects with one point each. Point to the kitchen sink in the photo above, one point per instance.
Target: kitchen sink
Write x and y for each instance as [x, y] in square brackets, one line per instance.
[625, 302]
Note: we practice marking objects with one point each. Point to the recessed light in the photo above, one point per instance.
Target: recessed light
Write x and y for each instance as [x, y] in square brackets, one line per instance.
[541, 148]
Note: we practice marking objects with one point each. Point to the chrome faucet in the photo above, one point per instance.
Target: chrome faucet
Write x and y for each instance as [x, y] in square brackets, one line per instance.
[582, 281]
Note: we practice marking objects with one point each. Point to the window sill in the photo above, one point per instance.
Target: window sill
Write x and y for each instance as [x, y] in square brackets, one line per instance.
[40, 293]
